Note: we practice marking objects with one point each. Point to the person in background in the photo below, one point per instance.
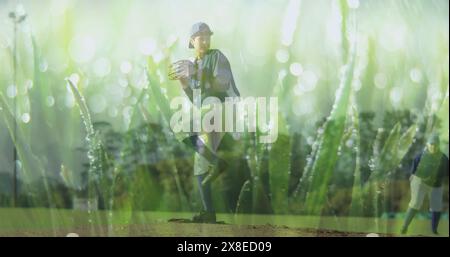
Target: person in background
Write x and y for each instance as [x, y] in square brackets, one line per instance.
[429, 172]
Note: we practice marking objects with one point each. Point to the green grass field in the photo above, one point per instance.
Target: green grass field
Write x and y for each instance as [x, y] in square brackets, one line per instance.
[37, 222]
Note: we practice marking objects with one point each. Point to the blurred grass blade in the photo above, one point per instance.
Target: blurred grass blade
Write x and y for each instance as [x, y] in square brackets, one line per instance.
[95, 171]
[387, 154]
[327, 153]
[279, 166]
[137, 110]
[393, 151]
[405, 142]
[344, 10]
[244, 204]
[356, 206]
[84, 111]
[299, 195]
[164, 107]
[261, 198]
[155, 89]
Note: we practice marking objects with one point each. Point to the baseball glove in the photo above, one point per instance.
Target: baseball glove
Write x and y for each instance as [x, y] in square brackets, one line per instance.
[182, 69]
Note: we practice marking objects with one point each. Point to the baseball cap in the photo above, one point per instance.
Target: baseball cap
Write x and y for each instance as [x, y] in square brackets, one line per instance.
[199, 28]
[433, 139]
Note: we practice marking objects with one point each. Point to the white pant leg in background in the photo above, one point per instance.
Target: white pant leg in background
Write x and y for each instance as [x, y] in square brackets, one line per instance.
[418, 192]
[436, 194]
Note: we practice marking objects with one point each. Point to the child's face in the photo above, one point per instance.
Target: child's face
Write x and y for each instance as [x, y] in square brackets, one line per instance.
[201, 43]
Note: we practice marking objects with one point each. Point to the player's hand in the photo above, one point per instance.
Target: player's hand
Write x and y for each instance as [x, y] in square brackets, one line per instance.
[182, 69]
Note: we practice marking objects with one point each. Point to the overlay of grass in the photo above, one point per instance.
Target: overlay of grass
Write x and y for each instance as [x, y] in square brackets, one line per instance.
[389, 93]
